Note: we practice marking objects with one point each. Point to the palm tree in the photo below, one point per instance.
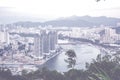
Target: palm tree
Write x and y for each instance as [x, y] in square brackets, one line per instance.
[100, 74]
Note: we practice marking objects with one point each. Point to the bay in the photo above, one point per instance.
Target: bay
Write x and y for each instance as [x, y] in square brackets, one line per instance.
[85, 53]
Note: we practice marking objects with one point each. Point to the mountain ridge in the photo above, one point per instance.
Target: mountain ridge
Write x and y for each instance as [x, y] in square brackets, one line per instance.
[74, 21]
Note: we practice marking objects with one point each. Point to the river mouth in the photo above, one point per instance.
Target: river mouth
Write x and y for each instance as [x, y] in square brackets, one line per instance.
[85, 53]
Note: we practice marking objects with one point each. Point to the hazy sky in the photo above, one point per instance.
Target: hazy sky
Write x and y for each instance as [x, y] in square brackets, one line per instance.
[61, 8]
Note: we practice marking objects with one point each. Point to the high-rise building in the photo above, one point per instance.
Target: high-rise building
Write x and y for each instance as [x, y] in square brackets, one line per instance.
[41, 43]
[53, 39]
[37, 46]
[45, 42]
[109, 36]
[4, 37]
[7, 37]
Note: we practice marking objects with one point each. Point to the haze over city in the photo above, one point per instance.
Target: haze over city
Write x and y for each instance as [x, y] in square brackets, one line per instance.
[59, 39]
[44, 10]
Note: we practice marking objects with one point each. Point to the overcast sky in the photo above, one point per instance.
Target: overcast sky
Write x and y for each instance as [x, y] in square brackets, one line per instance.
[60, 8]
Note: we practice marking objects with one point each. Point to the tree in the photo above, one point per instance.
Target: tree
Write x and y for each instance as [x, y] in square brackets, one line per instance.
[71, 60]
[71, 53]
[98, 0]
[105, 67]
[74, 74]
[53, 75]
[100, 74]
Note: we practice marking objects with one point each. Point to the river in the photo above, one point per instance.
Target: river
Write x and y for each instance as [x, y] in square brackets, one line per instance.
[85, 53]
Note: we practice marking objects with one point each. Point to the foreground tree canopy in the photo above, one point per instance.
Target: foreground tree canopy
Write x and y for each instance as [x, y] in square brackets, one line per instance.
[105, 67]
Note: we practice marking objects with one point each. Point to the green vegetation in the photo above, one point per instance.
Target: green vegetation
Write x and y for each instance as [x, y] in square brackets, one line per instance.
[98, 0]
[71, 60]
[105, 67]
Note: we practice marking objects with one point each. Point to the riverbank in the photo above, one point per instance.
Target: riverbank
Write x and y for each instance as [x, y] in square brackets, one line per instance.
[85, 53]
[106, 48]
